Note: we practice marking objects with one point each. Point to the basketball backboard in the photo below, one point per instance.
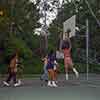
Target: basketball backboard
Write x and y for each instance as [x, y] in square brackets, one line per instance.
[69, 24]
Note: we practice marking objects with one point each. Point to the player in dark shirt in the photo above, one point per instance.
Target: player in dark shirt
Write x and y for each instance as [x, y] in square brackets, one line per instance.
[50, 68]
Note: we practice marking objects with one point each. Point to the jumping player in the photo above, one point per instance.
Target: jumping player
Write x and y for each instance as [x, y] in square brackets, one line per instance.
[68, 64]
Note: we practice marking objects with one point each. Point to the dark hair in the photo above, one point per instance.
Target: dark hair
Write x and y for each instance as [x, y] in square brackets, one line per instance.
[68, 30]
[12, 56]
[9, 58]
[65, 44]
[51, 52]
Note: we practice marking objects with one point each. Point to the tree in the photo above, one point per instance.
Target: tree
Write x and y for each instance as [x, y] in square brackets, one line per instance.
[20, 19]
[82, 10]
[17, 25]
[47, 11]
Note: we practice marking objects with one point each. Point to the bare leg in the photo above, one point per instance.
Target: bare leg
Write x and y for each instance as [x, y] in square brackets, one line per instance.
[52, 78]
[74, 70]
[66, 71]
[55, 74]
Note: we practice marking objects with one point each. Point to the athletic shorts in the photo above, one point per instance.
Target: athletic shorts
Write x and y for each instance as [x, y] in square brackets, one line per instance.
[50, 66]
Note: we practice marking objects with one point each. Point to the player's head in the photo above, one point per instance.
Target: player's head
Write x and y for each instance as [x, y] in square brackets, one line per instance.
[68, 30]
[67, 33]
[51, 51]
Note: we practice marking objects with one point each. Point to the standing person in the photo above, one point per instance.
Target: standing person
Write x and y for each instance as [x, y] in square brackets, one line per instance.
[12, 70]
[56, 69]
[20, 69]
[50, 68]
[68, 64]
[45, 71]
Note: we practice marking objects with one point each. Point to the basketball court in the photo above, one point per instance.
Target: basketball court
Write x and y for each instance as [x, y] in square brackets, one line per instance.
[87, 87]
[35, 89]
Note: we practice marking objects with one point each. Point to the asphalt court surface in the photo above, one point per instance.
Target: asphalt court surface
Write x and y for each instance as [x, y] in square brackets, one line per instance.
[73, 89]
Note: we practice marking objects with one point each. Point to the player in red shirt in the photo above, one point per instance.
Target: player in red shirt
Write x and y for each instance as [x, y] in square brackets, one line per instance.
[68, 64]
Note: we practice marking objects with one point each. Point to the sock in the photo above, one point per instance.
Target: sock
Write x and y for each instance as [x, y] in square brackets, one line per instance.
[76, 72]
[66, 76]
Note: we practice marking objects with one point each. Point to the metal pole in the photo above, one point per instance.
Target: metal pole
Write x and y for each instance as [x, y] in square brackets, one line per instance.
[87, 48]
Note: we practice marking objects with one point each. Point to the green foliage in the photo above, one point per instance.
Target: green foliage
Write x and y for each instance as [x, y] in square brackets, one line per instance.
[17, 25]
[30, 61]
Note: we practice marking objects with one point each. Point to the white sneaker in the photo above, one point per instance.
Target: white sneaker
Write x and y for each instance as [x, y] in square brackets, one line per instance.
[49, 84]
[5, 83]
[77, 75]
[54, 84]
[17, 84]
[19, 81]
